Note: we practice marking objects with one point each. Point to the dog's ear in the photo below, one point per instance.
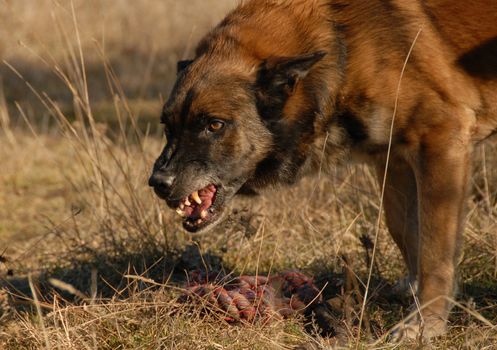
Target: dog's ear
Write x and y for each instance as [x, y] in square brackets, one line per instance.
[282, 74]
[182, 65]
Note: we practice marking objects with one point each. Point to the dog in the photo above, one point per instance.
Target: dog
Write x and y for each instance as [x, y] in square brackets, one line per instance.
[280, 86]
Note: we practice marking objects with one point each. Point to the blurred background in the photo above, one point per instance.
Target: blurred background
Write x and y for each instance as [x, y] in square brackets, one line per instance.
[141, 41]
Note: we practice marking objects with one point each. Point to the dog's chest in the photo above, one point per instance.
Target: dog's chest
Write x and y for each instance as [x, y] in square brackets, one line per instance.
[369, 130]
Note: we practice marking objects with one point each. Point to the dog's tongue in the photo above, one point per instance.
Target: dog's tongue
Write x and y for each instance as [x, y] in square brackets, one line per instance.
[198, 202]
[207, 195]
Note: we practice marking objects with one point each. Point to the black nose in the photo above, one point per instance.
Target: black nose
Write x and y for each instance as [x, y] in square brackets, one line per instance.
[161, 181]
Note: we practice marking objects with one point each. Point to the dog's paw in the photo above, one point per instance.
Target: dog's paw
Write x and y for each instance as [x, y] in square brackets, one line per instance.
[416, 329]
[409, 330]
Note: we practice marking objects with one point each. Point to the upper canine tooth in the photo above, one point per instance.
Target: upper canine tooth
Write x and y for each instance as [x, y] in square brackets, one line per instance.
[196, 198]
[187, 202]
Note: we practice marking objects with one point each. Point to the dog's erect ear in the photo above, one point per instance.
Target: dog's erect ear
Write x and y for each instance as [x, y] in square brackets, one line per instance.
[281, 74]
[182, 65]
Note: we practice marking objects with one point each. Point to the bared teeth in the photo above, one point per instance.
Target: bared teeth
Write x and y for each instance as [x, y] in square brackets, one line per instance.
[180, 212]
[196, 197]
[187, 202]
[182, 206]
[203, 214]
[199, 221]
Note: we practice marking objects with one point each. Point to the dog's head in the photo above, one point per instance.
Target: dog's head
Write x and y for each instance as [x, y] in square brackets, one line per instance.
[230, 127]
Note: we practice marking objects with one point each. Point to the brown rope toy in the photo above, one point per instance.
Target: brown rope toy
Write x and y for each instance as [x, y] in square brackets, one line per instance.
[261, 298]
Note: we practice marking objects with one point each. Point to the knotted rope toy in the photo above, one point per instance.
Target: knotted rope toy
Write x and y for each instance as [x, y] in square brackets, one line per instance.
[257, 298]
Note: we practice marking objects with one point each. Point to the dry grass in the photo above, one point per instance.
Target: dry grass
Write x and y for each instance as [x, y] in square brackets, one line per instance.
[75, 207]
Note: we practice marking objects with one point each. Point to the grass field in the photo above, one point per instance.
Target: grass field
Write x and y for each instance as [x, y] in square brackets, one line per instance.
[91, 259]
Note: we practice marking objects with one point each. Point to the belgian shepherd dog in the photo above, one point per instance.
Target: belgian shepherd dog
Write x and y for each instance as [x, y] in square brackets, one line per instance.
[277, 82]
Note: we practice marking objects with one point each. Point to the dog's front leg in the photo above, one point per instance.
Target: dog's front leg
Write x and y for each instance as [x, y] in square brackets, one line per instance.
[442, 170]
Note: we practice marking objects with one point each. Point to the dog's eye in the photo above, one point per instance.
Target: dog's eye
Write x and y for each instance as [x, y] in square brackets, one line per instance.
[215, 125]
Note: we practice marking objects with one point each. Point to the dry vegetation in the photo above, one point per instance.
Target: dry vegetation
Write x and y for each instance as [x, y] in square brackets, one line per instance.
[89, 258]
